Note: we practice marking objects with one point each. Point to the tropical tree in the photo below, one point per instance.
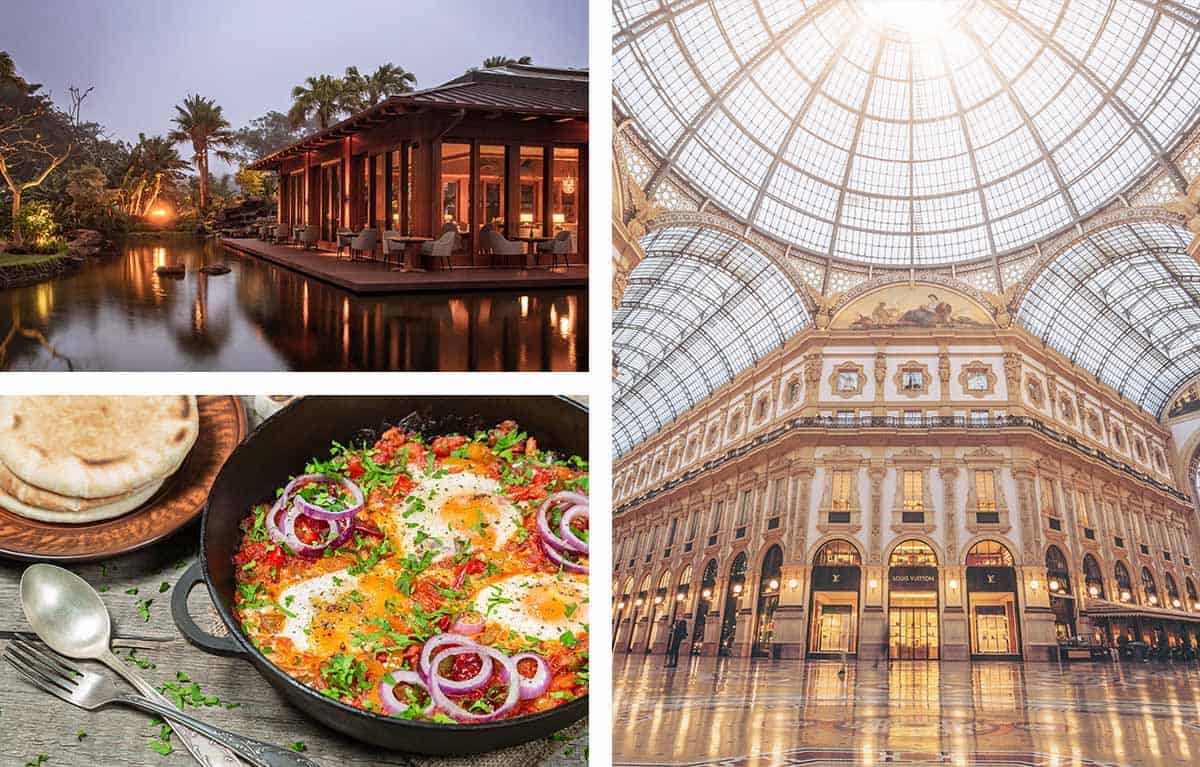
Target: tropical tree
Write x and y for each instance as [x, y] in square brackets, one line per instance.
[200, 121]
[323, 97]
[387, 80]
[269, 133]
[154, 165]
[31, 144]
[491, 62]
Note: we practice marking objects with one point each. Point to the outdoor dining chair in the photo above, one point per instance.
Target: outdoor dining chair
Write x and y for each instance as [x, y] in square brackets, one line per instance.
[443, 246]
[283, 233]
[309, 236]
[391, 246]
[363, 242]
[563, 245]
[499, 245]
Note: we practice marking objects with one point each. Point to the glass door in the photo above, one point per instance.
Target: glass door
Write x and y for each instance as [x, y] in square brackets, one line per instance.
[913, 633]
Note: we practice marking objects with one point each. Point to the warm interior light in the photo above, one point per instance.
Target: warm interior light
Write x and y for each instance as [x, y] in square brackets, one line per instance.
[526, 218]
[568, 185]
[558, 218]
[1124, 596]
[737, 588]
[679, 597]
[954, 583]
[620, 605]
[773, 584]
[1054, 585]
[1196, 606]
[1093, 591]
[793, 583]
[874, 584]
[1175, 602]
[1033, 584]
[1153, 599]
[706, 593]
[657, 600]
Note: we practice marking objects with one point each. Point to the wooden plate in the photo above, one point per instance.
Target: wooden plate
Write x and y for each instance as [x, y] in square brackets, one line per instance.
[179, 501]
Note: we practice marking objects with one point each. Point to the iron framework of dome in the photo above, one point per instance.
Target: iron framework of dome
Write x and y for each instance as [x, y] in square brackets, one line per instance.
[701, 307]
[824, 126]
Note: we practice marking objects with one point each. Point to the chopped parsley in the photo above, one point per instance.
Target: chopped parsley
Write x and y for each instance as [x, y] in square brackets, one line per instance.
[344, 677]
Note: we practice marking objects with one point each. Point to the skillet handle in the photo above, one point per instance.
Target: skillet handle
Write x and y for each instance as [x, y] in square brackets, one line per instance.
[191, 578]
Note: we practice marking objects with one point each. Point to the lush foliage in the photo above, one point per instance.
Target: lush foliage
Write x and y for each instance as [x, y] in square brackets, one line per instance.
[201, 122]
[491, 62]
[36, 221]
[324, 98]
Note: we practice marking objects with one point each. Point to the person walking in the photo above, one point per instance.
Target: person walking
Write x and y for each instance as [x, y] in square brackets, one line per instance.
[678, 634]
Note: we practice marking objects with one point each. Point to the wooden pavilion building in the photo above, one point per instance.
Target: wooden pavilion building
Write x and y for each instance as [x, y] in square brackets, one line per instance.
[504, 146]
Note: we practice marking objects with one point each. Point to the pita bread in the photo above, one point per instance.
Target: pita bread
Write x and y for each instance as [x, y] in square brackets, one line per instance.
[94, 514]
[14, 487]
[95, 447]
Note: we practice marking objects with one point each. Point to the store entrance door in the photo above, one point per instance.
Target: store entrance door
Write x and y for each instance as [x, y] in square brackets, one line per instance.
[913, 633]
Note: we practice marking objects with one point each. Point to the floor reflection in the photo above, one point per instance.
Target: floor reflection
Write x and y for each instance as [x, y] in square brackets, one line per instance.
[743, 712]
[121, 315]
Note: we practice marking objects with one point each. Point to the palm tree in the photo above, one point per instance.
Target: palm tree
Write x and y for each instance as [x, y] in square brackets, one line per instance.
[200, 121]
[153, 164]
[387, 80]
[491, 62]
[323, 97]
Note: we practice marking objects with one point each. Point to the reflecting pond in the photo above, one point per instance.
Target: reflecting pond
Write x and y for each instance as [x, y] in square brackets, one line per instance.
[117, 314]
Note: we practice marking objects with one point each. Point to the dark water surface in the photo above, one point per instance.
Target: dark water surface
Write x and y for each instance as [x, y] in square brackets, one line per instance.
[117, 314]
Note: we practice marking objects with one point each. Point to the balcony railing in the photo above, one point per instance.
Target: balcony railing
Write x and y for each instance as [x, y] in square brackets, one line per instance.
[907, 423]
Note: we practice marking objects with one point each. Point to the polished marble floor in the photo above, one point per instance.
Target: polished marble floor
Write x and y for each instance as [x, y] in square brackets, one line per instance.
[736, 712]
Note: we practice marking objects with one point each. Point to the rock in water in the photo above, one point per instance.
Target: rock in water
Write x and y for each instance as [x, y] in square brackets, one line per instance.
[215, 269]
[171, 270]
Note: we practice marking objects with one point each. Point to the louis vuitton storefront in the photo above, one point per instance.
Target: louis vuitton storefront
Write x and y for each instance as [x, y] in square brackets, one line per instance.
[835, 602]
[913, 632]
[992, 602]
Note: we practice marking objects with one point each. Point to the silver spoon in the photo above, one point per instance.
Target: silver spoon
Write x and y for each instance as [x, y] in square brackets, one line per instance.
[68, 615]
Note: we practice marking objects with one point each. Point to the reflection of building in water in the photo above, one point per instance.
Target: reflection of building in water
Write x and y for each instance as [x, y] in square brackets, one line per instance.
[317, 326]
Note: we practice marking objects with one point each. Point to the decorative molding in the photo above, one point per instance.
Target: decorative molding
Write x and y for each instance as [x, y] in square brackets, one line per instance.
[848, 367]
[1034, 390]
[977, 367]
[912, 366]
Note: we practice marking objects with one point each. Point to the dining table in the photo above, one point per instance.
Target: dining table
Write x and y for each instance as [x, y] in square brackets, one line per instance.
[531, 244]
[38, 729]
[411, 243]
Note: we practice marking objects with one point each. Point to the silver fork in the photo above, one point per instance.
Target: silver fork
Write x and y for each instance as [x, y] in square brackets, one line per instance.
[92, 691]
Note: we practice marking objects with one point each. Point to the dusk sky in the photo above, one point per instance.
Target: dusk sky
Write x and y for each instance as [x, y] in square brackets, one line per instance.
[145, 57]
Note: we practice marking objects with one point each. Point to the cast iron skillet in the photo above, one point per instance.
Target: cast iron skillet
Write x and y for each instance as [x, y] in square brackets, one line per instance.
[277, 450]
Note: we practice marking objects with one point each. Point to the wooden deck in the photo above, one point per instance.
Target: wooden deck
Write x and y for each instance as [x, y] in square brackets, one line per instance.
[376, 277]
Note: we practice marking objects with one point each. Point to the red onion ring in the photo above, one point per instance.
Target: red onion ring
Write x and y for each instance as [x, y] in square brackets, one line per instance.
[387, 691]
[441, 640]
[319, 512]
[568, 542]
[569, 537]
[457, 712]
[537, 685]
[467, 627]
[340, 533]
[271, 522]
[562, 561]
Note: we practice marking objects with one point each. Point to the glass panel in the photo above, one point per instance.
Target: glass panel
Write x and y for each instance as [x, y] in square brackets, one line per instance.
[491, 186]
[564, 206]
[529, 223]
[456, 186]
[398, 160]
[381, 202]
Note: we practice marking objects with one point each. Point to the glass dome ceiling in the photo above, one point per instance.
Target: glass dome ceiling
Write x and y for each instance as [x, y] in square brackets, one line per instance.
[700, 308]
[908, 132]
[1124, 304]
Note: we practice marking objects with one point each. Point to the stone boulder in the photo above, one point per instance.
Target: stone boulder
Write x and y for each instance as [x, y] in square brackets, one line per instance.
[85, 238]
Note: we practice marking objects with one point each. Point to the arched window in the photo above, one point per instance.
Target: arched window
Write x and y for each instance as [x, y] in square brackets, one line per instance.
[989, 554]
[1057, 572]
[1193, 600]
[1172, 590]
[772, 568]
[913, 553]
[1149, 586]
[1124, 583]
[1093, 577]
[837, 553]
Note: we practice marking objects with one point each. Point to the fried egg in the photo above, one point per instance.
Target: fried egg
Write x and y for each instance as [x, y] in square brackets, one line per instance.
[539, 604]
[443, 510]
[319, 608]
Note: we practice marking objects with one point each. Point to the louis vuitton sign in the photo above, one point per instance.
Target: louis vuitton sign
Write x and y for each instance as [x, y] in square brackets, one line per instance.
[830, 578]
[913, 578]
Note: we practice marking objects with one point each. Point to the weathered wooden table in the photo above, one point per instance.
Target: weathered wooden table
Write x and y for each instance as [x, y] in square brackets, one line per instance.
[34, 723]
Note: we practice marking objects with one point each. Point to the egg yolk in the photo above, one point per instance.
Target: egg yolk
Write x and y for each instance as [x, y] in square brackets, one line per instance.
[550, 604]
[473, 515]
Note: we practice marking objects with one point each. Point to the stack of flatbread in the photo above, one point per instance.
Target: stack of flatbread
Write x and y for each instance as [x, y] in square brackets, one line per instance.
[83, 459]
